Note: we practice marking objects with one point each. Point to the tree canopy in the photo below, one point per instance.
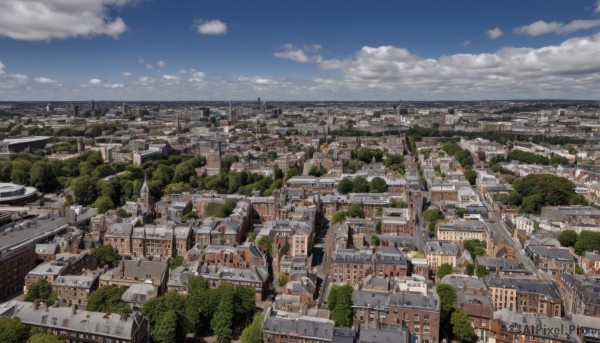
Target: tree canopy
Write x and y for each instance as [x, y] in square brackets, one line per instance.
[12, 330]
[253, 333]
[539, 190]
[339, 302]
[108, 299]
[567, 238]
[105, 254]
[41, 290]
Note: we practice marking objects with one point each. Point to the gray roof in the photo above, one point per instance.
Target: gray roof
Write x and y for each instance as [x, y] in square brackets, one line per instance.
[442, 248]
[60, 318]
[527, 286]
[519, 320]
[373, 298]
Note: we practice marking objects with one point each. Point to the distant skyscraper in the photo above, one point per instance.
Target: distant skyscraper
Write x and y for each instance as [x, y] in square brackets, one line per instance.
[76, 110]
[93, 105]
[230, 117]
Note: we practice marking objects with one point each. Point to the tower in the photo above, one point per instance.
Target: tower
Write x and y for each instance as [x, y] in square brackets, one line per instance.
[230, 113]
[145, 194]
[178, 125]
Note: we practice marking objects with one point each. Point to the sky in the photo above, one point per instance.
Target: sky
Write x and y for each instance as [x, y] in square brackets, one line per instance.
[133, 50]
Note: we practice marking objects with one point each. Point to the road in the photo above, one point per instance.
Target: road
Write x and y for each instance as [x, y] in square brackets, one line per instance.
[499, 227]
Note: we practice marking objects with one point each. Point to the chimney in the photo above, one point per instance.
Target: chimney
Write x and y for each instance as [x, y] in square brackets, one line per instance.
[73, 309]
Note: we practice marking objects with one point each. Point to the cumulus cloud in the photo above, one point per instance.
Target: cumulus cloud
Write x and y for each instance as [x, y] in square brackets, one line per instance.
[494, 33]
[597, 6]
[149, 66]
[292, 53]
[197, 76]
[44, 80]
[465, 43]
[541, 27]
[36, 20]
[161, 64]
[94, 82]
[114, 85]
[126, 74]
[210, 27]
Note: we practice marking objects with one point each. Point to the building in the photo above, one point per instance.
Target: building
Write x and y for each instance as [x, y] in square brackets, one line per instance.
[513, 327]
[418, 312]
[130, 272]
[462, 230]
[286, 327]
[12, 194]
[79, 326]
[75, 289]
[352, 265]
[553, 260]
[15, 145]
[254, 277]
[441, 252]
[526, 296]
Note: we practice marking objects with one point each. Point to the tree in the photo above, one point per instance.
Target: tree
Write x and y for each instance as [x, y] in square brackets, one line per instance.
[339, 302]
[223, 319]
[282, 280]
[475, 247]
[103, 204]
[345, 186]
[12, 330]
[355, 211]
[265, 244]
[481, 271]
[176, 262]
[45, 338]
[470, 269]
[105, 254]
[41, 290]
[374, 241]
[360, 185]
[460, 212]
[84, 189]
[20, 172]
[471, 176]
[433, 214]
[568, 238]
[42, 177]
[253, 333]
[108, 299]
[447, 295]
[378, 185]
[461, 327]
[443, 270]
[165, 330]
[200, 305]
[587, 241]
[338, 216]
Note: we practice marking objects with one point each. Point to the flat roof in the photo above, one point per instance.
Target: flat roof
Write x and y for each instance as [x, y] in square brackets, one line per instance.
[25, 139]
[31, 233]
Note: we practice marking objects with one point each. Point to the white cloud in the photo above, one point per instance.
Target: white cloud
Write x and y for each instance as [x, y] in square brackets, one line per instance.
[197, 76]
[44, 80]
[114, 85]
[465, 43]
[126, 74]
[141, 61]
[541, 27]
[161, 64]
[290, 52]
[149, 66]
[36, 20]
[597, 6]
[95, 82]
[170, 77]
[210, 27]
[494, 33]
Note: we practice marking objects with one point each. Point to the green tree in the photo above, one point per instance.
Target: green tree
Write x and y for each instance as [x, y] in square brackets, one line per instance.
[106, 254]
[355, 211]
[481, 271]
[461, 327]
[45, 338]
[345, 186]
[12, 330]
[378, 185]
[476, 247]
[265, 244]
[460, 212]
[103, 204]
[339, 302]
[20, 172]
[175, 262]
[447, 295]
[433, 214]
[42, 177]
[443, 270]
[360, 185]
[108, 299]
[41, 290]
[470, 269]
[166, 329]
[282, 280]
[374, 241]
[587, 241]
[568, 238]
[471, 176]
[253, 333]
[338, 216]
[222, 321]
[84, 189]
[200, 305]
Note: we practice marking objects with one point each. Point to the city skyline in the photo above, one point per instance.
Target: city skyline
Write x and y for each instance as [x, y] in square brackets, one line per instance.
[435, 50]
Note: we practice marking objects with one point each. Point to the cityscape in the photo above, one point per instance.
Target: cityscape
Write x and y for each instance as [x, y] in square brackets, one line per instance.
[283, 178]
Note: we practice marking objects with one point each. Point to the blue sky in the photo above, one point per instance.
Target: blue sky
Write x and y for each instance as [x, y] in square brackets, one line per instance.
[298, 50]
